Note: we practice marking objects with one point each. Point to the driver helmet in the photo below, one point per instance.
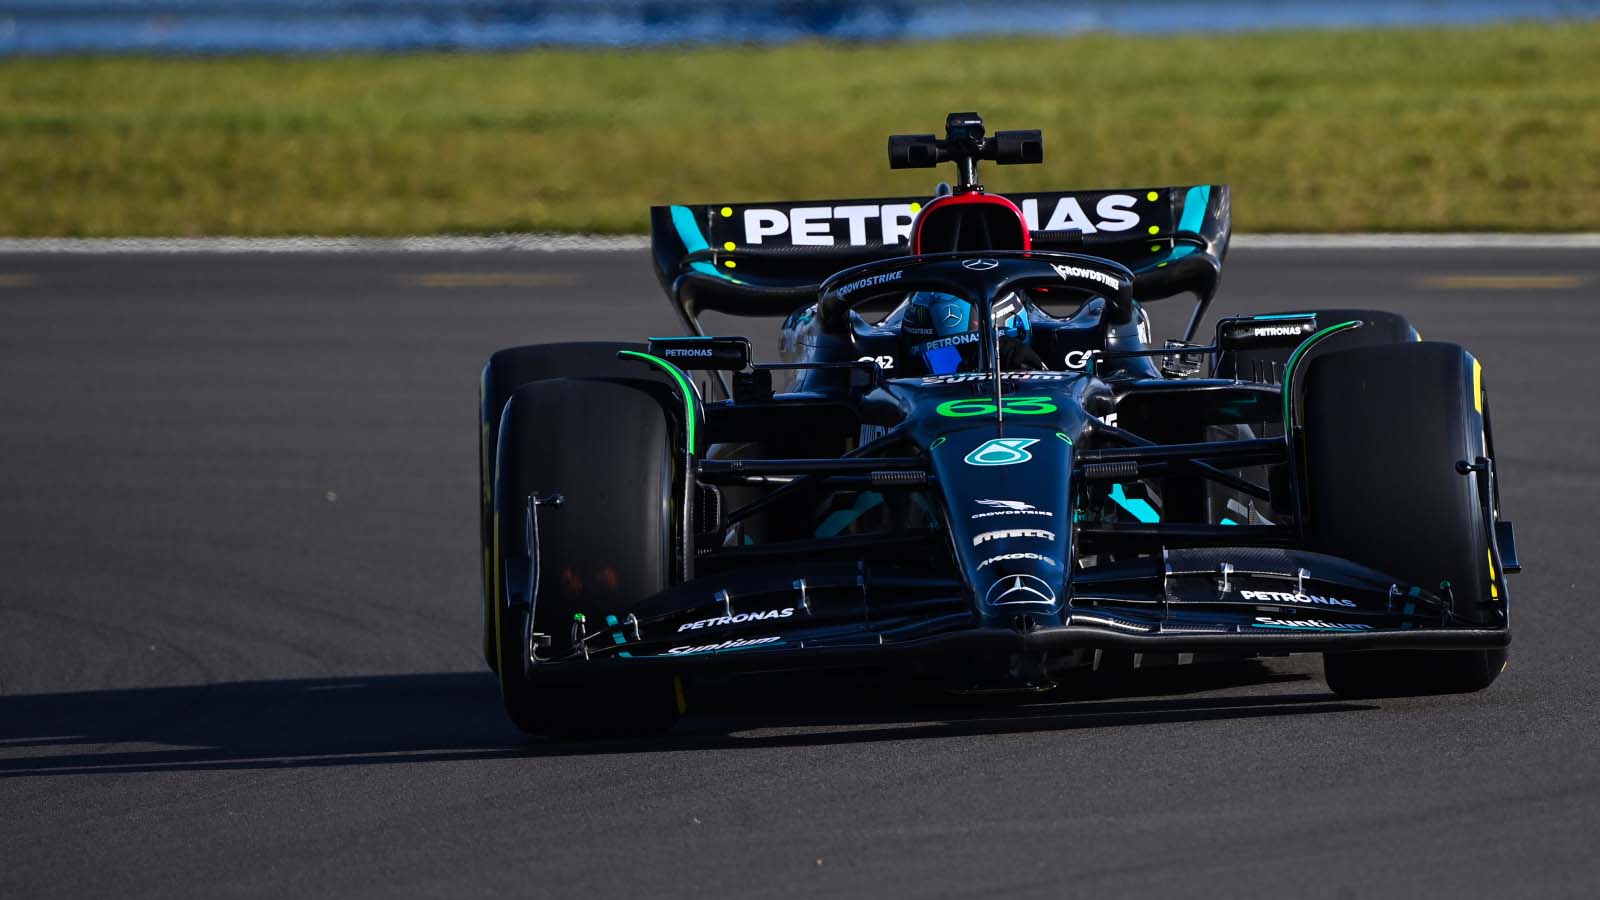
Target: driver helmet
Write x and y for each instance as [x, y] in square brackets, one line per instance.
[942, 332]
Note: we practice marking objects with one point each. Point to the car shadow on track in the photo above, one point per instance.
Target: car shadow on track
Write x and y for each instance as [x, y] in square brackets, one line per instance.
[456, 716]
[838, 708]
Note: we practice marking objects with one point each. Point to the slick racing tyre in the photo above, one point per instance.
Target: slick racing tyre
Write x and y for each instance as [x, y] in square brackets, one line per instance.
[606, 448]
[506, 371]
[1384, 429]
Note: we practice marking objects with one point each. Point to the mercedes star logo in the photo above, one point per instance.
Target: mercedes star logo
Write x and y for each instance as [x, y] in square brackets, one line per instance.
[1020, 589]
[950, 312]
[979, 265]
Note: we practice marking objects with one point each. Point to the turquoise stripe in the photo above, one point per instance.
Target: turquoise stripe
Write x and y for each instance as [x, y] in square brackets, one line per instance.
[1141, 510]
[1194, 215]
[1285, 316]
[688, 230]
[1194, 208]
[693, 240]
[840, 519]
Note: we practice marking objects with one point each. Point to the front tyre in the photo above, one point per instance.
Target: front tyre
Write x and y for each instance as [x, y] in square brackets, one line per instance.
[1384, 429]
[604, 446]
[1411, 673]
[506, 371]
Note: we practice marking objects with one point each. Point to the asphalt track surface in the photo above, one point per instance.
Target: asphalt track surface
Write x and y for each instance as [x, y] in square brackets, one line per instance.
[239, 621]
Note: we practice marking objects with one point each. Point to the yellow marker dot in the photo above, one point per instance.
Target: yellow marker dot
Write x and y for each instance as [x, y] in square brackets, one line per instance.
[1155, 229]
[730, 264]
[1151, 196]
[727, 211]
[1155, 248]
[1161, 265]
[916, 207]
[728, 246]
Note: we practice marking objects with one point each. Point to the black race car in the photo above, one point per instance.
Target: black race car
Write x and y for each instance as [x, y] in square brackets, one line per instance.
[973, 462]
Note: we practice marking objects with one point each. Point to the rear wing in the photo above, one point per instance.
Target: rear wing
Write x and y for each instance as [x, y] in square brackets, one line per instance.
[768, 259]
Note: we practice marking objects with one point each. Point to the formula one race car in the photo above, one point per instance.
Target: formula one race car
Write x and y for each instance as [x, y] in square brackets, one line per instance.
[973, 463]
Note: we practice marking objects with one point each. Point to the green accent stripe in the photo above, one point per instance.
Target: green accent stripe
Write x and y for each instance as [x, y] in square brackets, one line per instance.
[684, 387]
[1294, 358]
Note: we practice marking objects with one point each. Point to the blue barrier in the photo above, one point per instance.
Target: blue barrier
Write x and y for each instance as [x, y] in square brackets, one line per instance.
[36, 27]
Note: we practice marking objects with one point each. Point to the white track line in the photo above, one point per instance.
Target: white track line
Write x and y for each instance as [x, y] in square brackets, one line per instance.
[591, 243]
[538, 243]
[1417, 241]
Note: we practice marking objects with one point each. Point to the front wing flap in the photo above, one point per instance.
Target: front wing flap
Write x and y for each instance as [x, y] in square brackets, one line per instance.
[1265, 601]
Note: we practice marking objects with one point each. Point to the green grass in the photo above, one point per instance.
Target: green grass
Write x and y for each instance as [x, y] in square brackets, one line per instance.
[1493, 128]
